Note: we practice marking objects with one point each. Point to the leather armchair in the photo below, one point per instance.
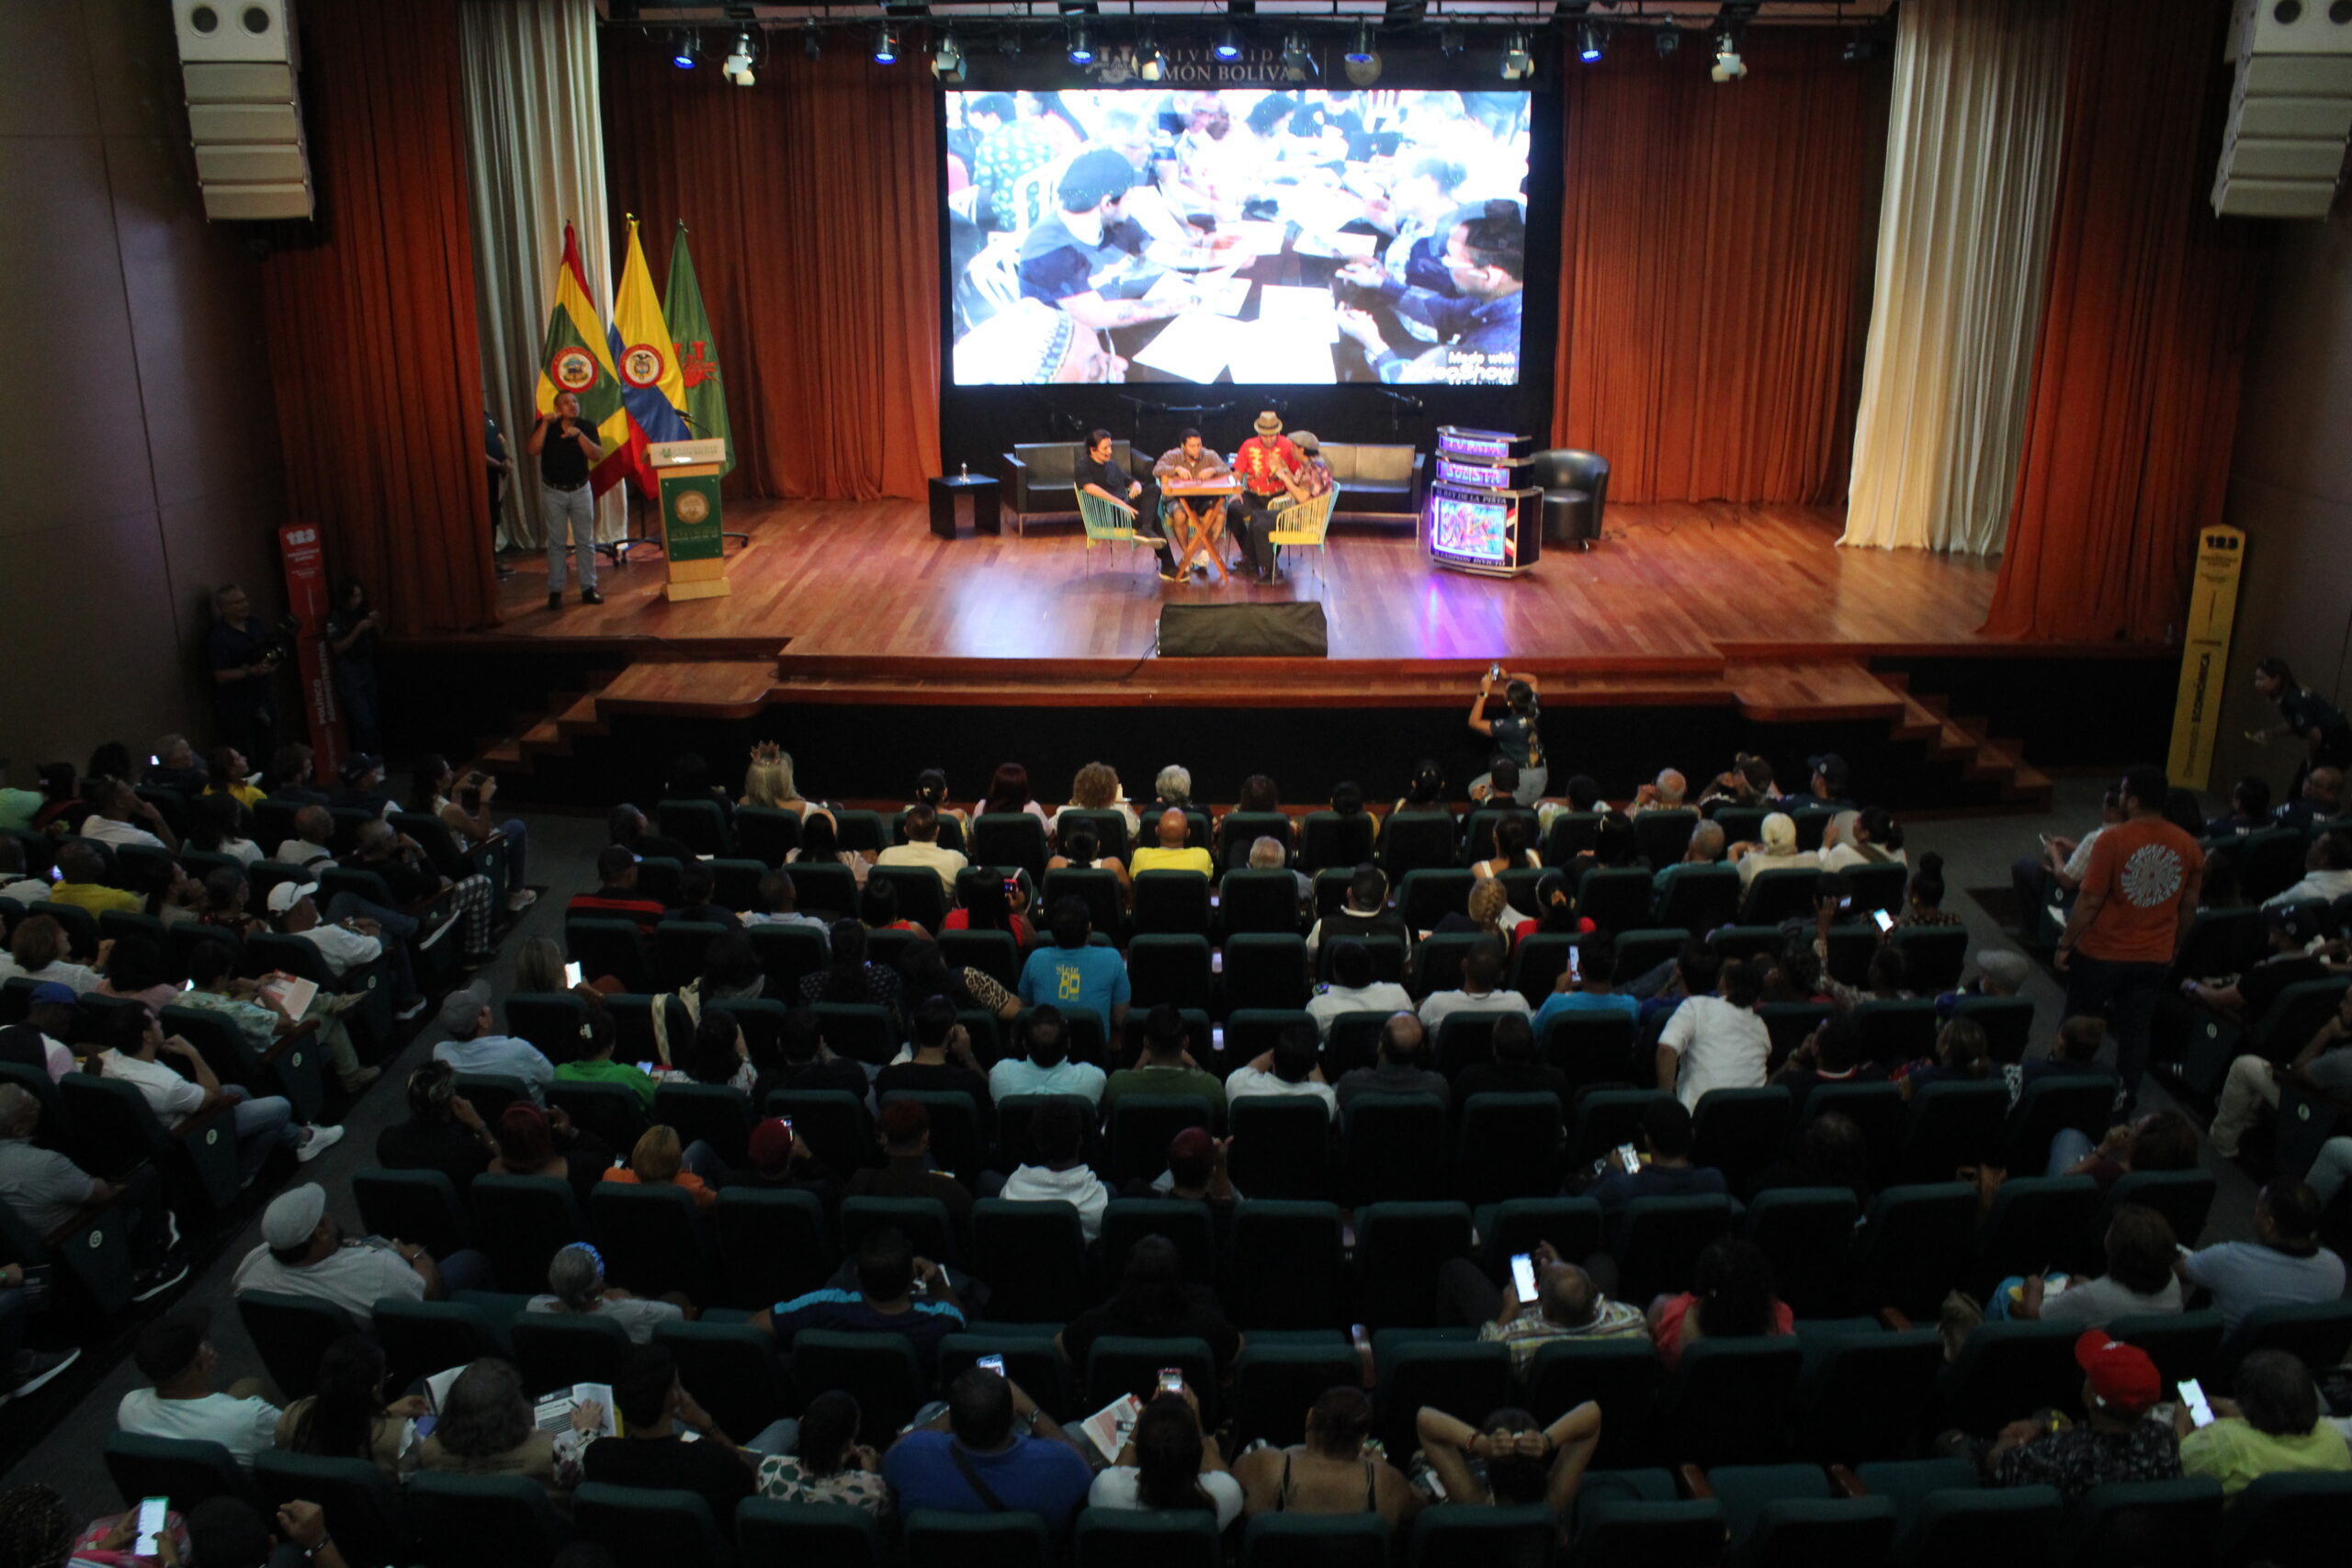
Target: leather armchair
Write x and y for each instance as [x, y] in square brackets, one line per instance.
[1576, 487]
[1038, 477]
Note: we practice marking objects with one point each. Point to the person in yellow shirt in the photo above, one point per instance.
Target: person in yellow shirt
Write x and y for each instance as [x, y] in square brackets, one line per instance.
[228, 771]
[83, 885]
[1169, 853]
[2272, 1426]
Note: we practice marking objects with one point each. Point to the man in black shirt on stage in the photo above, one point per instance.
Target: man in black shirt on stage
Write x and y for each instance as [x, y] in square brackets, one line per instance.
[564, 498]
[1098, 475]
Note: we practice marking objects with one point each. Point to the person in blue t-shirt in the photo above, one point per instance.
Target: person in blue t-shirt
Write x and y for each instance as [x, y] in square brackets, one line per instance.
[1071, 976]
[997, 1453]
[1587, 988]
[896, 1293]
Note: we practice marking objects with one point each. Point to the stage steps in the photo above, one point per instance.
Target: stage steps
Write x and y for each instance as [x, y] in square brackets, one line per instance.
[1966, 741]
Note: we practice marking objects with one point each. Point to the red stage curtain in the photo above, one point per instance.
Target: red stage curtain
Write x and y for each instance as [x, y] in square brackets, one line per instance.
[1711, 246]
[2144, 322]
[811, 204]
[370, 311]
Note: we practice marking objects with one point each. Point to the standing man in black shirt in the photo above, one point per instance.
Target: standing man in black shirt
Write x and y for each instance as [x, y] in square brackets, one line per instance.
[1098, 475]
[244, 668]
[564, 496]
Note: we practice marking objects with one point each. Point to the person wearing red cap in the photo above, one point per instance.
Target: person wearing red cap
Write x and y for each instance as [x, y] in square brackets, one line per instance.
[2116, 1440]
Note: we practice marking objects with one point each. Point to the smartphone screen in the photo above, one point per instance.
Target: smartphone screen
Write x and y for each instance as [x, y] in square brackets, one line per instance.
[55, 874]
[1630, 1158]
[572, 973]
[1576, 968]
[1011, 886]
[994, 1364]
[2201, 1410]
[1171, 1380]
[787, 1128]
[1885, 921]
[1523, 1275]
[151, 1512]
[1846, 903]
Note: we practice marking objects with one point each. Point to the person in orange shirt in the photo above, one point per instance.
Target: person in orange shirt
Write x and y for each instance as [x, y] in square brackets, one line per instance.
[1269, 465]
[2138, 896]
[659, 1161]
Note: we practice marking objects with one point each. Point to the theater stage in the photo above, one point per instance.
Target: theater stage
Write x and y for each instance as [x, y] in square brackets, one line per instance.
[1682, 605]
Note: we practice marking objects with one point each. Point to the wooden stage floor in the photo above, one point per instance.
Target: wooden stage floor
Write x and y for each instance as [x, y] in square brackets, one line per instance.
[1674, 585]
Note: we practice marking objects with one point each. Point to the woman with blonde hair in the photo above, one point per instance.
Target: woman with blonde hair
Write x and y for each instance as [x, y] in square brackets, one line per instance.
[1488, 911]
[768, 781]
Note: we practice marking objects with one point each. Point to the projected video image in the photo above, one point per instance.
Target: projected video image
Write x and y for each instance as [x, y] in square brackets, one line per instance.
[1253, 236]
[1472, 530]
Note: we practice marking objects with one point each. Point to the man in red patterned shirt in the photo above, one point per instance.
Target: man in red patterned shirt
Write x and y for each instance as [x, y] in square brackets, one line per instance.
[1268, 465]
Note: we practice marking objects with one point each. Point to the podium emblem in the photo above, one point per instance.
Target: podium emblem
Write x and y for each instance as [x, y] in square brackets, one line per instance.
[692, 506]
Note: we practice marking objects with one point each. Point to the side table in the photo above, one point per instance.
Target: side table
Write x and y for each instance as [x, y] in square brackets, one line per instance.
[983, 491]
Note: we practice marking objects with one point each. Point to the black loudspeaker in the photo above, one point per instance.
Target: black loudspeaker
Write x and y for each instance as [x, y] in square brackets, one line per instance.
[1244, 631]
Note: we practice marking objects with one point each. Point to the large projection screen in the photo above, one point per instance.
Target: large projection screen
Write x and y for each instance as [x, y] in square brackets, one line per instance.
[1257, 236]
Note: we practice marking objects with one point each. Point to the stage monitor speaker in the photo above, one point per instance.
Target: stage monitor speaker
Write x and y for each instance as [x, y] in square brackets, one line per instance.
[1244, 631]
[238, 59]
[2290, 112]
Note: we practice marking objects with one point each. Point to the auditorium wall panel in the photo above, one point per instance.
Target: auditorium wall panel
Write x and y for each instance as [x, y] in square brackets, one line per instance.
[141, 455]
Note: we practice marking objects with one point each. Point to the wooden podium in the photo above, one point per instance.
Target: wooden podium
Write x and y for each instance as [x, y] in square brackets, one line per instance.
[691, 541]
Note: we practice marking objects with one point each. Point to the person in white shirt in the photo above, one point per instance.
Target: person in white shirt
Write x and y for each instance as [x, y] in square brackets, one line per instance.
[351, 943]
[922, 847]
[472, 1047]
[1482, 991]
[135, 1040]
[14, 883]
[1288, 1069]
[1861, 837]
[173, 1354]
[1047, 1068]
[576, 1286]
[1778, 852]
[1169, 1463]
[1061, 1175]
[2327, 872]
[36, 950]
[314, 825]
[48, 1015]
[1354, 988]
[1714, 1039]
[120, 816]
[304, 1253]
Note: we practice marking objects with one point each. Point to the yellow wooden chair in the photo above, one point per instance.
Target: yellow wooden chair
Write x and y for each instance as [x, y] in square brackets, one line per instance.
[1307, 524]
[1107, 522]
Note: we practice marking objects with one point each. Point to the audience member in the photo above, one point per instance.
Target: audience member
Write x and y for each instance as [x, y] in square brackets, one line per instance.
[2271, 1424]
[2284, 1265]
[1041, 1063]
[1511, 1460]
[828, 1463]
[1482, 990]
[1663, 1167]
[1398, 1069]
[2254, 1081]
[2120, 1440]
[1567, 1306]
[348, 1417]
[1154, 1301]
[904, 1131]
[1333, 1471]
[304, 1253]
[1060, 1174]
[1286, 1067]
[532, 1142]
[576, 1287]
[443, 1132]
[660, 1158]
[1715, 1041]
[2129, 919]
[1165, 1065]
[922, 847]
[1731, 1297]
[1588, 985]
[473, 1048]
[1365, 913]
[2139, 1279]
[990, 1450]
[487, 1425]
[653, 1451]
[135, 1040]
[1354, 986]
[49, 1194]
[175, 1354]
[1168, 851]
[1514, 1069]
[1169, 1465]
[616, 896]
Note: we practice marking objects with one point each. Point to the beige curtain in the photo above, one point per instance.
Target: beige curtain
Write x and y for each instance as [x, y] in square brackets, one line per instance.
[1971, 173]
[535, 156]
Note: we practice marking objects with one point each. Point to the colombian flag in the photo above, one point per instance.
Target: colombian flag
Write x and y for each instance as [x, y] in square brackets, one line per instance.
[652, 391]
[576, 359]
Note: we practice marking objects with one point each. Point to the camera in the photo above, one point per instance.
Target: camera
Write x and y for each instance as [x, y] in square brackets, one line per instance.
[278, 645]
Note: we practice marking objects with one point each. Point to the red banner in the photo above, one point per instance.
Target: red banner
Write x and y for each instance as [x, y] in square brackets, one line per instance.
[306, 601]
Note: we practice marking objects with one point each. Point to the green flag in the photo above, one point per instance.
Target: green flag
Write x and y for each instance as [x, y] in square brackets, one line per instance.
[697, 351]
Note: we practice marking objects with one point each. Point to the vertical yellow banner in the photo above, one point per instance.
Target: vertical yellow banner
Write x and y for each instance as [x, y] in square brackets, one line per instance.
[2205, 656]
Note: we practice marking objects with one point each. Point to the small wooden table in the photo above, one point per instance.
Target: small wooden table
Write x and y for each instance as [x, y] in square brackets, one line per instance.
[983, 491]
[1193, 535]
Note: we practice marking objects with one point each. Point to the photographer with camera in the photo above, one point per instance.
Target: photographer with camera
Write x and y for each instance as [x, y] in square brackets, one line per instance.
[244, 655]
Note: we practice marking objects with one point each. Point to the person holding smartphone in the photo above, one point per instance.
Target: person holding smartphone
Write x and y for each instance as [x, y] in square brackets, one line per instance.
[1169, 1464]
[2271, 1424]
[1545, 1299]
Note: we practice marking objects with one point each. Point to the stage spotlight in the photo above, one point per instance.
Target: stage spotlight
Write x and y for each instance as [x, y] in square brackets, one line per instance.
[886, 45]
[948, 60]
[811, 44]
[1517, 64]
[685, 52]
[1228, 43]
[1297, 61]
[740, 64]
[1450, 41]
[1728, 66]
[1360, 51]
[1669, 39]
[1008, 44]
[1081, 51]
[1587, 41]
[1151, 63]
